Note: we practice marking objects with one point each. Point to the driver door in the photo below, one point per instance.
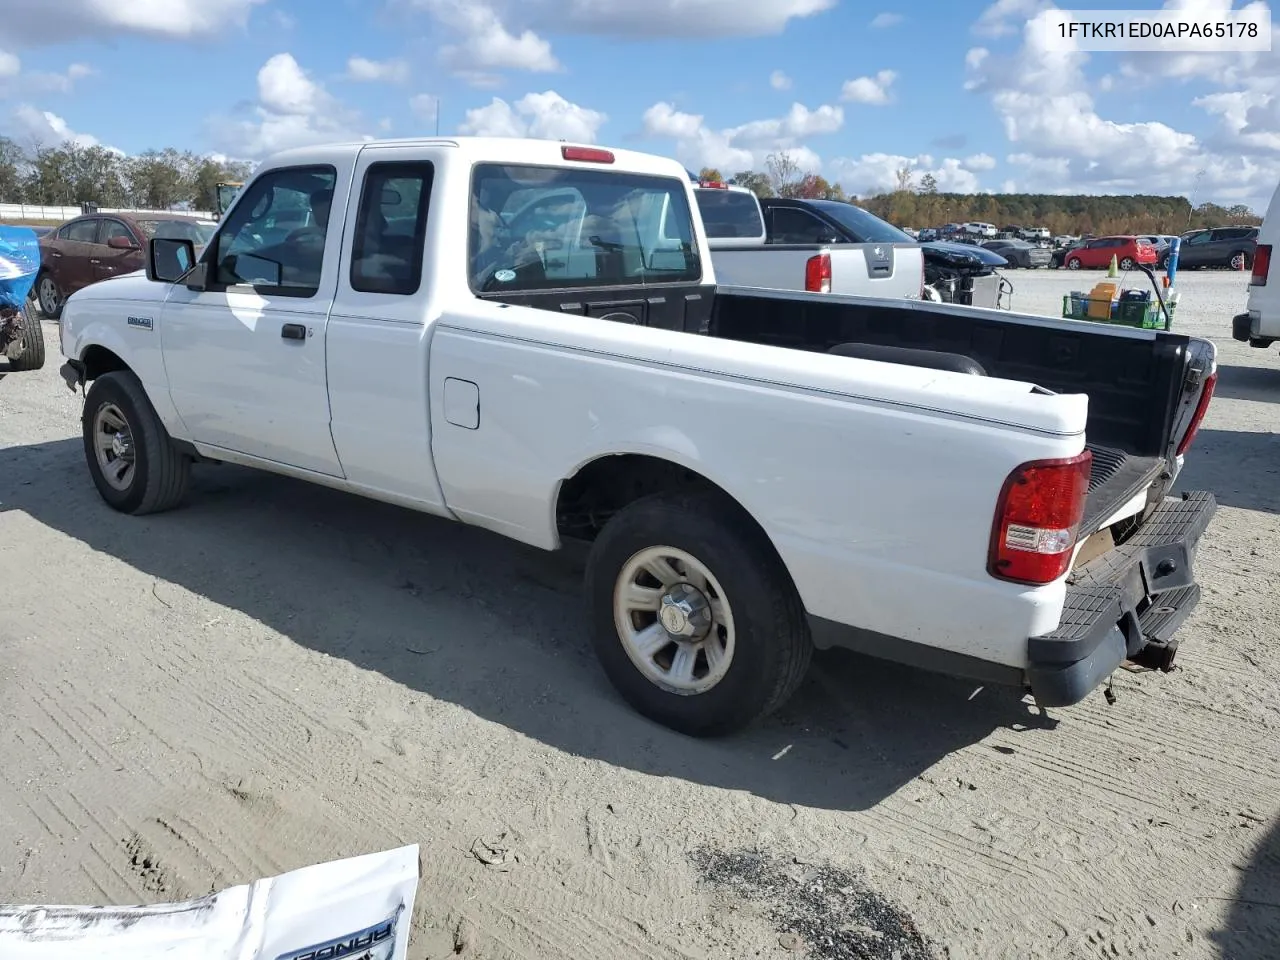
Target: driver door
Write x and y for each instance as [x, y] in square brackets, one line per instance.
[246, 355]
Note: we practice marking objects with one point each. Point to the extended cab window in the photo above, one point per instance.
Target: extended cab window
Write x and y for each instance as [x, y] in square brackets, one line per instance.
[391, 228]
[729, 213]
[538, 228]
[275, 237]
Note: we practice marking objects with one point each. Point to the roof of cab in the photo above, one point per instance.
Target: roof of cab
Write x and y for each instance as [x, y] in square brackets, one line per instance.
[486, 149]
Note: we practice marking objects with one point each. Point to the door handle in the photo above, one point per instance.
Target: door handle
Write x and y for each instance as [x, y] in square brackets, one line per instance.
[293, 331]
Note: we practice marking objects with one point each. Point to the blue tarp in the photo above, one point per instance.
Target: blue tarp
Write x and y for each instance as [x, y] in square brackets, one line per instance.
[19, 263]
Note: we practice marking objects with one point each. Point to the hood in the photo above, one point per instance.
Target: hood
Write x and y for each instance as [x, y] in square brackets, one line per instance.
[129, 286]
[945, 253]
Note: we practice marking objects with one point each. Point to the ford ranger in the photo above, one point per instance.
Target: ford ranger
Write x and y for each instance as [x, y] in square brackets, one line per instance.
[527, 336]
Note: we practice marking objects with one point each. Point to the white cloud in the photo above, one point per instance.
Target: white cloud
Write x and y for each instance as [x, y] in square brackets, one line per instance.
[364, 70]
[1064, 145]
[42, 22]
[1006, 17]
[872, 90]
[745, 146]
[544, 115]
[10, 65]
[980, 161]
[874, 173]
[779, 80]
[486, 44]
[883, 20]
[647, 19]
[47, 129]
[292, 110]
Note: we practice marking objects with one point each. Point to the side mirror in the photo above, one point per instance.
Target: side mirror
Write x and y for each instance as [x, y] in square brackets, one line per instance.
[121, 243]
[169, 259]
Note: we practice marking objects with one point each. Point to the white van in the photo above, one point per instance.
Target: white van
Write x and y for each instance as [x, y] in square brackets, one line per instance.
[1259, 326]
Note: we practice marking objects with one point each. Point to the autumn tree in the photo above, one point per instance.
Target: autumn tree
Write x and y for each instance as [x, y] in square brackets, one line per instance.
[784, 173]
[757, 183]
[710, 175]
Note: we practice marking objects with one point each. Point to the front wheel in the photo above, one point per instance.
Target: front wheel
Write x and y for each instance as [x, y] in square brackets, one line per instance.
[1073, 263]
[32, 356]
[693, 616]
[131, 457]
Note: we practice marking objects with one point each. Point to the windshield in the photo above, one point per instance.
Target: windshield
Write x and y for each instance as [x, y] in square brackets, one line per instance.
[865, 227]
[197, 232]
[538, 228]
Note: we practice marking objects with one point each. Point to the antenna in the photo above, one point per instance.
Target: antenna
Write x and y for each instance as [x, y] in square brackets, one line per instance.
[437, 116]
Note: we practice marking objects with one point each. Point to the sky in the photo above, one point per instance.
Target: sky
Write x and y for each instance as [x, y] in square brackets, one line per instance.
[853, 89]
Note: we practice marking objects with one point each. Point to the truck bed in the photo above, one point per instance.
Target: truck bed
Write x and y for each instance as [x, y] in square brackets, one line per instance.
[1134, 379]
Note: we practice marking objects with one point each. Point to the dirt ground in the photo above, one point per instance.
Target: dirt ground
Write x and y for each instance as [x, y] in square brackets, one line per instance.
[277, 675]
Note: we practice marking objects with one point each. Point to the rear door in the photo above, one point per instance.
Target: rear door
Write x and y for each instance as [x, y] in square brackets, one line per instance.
[70, 256]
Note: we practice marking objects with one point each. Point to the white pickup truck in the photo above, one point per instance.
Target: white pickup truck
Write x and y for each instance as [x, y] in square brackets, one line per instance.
[785, 248]
[526, 336]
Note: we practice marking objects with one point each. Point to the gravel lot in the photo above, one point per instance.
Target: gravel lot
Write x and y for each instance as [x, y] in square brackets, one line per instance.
[279, 674]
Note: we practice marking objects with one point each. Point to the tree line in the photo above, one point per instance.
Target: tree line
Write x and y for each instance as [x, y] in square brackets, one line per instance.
[70, 174]
[918, 203]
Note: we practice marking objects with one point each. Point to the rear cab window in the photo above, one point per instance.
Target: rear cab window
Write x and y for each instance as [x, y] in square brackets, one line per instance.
[542, 228]
[391, 228]
[730, 214]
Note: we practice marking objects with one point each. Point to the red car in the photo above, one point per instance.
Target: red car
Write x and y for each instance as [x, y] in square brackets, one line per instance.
[1096, 254]
[101, 245]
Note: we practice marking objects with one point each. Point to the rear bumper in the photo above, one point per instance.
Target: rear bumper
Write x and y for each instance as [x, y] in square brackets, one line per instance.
[1247, 328]
[1126, 604]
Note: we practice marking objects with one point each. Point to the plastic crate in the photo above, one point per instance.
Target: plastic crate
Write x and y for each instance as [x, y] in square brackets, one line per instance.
[1127, 313]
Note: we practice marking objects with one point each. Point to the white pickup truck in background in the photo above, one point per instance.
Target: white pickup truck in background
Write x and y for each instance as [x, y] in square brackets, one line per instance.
[756, 247]
[525, 336]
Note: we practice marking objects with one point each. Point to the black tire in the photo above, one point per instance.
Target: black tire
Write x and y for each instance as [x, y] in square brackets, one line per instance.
[1073, 263]
[1243, 256]
[160, 473]
[32, 356]
[772, 645]
[51, 307]
[1127, 263]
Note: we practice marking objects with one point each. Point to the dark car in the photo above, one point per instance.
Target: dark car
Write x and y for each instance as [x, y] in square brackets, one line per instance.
[92, 248]
[1059, 255]
[1220, 247]
[1020, 253]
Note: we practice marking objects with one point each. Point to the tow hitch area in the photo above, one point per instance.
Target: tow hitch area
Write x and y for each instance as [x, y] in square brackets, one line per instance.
[1126, 604]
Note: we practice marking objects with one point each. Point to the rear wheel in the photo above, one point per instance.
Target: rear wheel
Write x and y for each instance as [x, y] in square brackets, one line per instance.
[131, 457]
[1127, 263]
[1239, 260]
[32, 356]
[694, 618]
[49, 295]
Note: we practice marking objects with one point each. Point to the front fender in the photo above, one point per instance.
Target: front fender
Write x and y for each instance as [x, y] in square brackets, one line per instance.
[118, 327]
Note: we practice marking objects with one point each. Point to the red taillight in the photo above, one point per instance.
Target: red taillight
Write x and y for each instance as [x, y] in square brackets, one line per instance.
[817, 273]
[587, 154]
[713, 185]
[1202, 407]
[1037, 519]
[1261, 265]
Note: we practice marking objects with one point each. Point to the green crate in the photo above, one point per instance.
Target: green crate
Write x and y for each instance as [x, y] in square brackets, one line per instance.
[1134, 313]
